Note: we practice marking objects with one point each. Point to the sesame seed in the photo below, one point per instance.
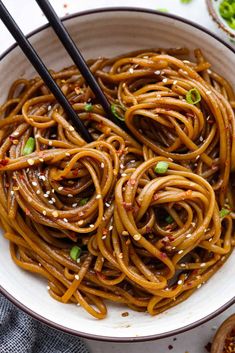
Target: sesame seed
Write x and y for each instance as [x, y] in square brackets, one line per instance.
[102, 165]
[98, 196]
[30, 161]
[37, 136]
[44, 212]
[12, 192]
[49, 108]
[120, 255]
[45, 195]
[53, 199]
[186, 61]
[38, 192]
[182, 265]
[60, 188]
[80, 222]
[69, 195]
[39, 264]
[137, 237]
[121, 166]
[164, 80]
[48, 288]
[199, 286]
[78, 260]
[53, 190]
[51, 202]
[167, 288]
[188, 235]
[91, 225]
[124, 233]
[200, 138]
[159, 96]
[16, 133]
[193, 224]
[158, 72]
[210, 240]
[180, 281]
[180, 251]
[71, 128]
[185, 72]
[41, 159]
[65, 220]
[208, 92]
[107, 204]
[111, 227]
[131, 70]
[34, 183]
[74, 204]
[103, 218]
[203, 264]
[123, 174]
[103, 237]
[55, 214]
[48, 192]
[209, 71]
[175, 82]
[67, 154]
[77, 277]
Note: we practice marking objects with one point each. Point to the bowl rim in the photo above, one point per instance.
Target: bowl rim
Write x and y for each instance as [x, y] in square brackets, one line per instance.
[89, 335]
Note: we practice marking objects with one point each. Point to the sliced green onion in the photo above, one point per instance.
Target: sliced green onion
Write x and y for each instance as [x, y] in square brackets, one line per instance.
[162, 10]
[185, 1]
[114, 108]
[193, 96]
[226, 10]
[224, 212]
[29, 146]
[82, 202]
[169, 219]
[161, 167]
[231, 22]
[75, 252]
[88, 107]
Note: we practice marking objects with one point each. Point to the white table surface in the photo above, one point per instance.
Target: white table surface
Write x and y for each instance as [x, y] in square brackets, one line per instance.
[28, 16]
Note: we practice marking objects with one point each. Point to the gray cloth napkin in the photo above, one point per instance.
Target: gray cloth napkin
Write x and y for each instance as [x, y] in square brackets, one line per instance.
[19, 333]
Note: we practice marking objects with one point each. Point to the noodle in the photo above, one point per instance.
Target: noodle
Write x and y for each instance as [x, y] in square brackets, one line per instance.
[148, 237]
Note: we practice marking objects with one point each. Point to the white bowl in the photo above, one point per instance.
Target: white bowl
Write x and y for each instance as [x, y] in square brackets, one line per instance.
[110, 32]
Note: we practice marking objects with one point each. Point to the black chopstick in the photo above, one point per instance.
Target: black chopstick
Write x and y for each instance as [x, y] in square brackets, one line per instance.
[42, 70]
[77, 58]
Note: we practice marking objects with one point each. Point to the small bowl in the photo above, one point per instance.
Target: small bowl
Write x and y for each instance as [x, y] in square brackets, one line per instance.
[213, 8]
[110, 32]
[222, 333]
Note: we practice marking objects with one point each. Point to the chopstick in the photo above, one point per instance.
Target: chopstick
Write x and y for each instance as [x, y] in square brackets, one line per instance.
[39, 66]
[77, 58]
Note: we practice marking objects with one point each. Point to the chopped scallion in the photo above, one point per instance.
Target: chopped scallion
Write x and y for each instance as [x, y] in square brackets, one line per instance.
[75, 252]
[185, 1]
[88, 107]
[193, 96]
[29, 146]
[82, 202]
[169, 219]
[161, 167]
[114, 108]
[224, 212]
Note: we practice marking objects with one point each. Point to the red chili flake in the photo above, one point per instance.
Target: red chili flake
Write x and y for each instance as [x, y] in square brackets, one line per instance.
[156, 197]
[100, 275]
[7, 185]
[73, 236]
[163, 255]
[104, 231]
[208, 347]
[11, 138]
[214, 166]
[170, 347]
[132, 182]
[188, 193]
[189, 284]
[27, 212]
[75, 172]
[65, 6]
[210, 121]
[190, 115]
[128, 206]
[21, 177]
[4, 162]
[149, 229]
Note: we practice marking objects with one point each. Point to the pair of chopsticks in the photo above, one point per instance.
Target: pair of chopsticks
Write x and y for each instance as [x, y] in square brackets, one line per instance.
[74, 53]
